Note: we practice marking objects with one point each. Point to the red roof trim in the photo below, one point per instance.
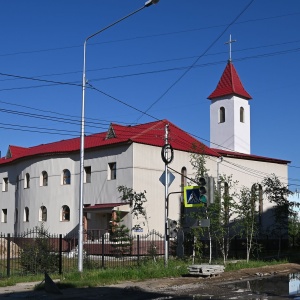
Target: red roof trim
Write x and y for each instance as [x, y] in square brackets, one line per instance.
[229, 84]
[102, 206]
[148, 134]
[239, 155]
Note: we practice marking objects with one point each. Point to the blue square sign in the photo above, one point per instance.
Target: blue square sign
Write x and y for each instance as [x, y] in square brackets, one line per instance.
[192, 197]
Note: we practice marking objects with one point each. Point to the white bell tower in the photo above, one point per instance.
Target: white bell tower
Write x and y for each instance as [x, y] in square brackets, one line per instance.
[230, 113]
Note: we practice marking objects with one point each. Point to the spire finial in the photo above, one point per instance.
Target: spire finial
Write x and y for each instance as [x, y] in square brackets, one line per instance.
[230, 42]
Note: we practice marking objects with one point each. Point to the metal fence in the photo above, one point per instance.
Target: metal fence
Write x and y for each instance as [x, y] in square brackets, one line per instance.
[36, 251]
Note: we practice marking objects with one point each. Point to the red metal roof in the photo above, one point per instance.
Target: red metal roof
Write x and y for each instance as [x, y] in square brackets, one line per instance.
[229, 84]
[149, 134]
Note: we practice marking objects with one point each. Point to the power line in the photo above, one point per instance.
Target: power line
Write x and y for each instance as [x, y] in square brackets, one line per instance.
[148, 36]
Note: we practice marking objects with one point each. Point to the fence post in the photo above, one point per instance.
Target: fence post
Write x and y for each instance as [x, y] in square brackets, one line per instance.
[60, 253]
[8, 255]
[102, 251]
[138, 249]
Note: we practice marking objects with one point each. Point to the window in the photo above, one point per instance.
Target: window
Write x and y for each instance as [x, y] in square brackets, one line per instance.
[87, 174]
[26, 214]
[16, 215]
[66, 177]
[112, 171]
[43, 214]
[222, 115]
[44, 179]
[183, 178]
[226, 203]
[4, 216]
[17, 183]
[242, 114]
[27, 181]
[65, 213]
[5, 184]
[260, 204]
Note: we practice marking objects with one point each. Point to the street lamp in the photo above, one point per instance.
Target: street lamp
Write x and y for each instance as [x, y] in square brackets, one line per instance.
[80, 231]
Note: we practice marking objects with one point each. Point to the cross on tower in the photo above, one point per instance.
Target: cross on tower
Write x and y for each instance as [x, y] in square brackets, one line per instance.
[230, 42]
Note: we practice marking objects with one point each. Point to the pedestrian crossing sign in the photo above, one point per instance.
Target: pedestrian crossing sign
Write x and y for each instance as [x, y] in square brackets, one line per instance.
[192, 197]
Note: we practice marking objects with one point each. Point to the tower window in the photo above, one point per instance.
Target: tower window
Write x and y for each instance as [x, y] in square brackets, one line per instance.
[222, 115]
[242, 119]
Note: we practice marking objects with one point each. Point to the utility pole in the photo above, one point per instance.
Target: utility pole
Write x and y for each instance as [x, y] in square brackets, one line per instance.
[166, 197]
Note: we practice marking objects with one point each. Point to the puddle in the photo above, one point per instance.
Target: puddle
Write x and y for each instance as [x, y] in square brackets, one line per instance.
[264, 288]
[286, 286]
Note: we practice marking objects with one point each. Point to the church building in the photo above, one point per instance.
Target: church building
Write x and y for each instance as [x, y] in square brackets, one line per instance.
[40, 184]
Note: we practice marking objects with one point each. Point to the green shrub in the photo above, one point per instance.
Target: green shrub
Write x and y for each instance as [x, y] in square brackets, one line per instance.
[38, 256]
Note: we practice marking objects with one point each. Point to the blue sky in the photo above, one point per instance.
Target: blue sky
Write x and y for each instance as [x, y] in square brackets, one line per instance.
[169, 57]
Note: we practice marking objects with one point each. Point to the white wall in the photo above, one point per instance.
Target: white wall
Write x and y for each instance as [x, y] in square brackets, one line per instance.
[138, 166]
[232, 134]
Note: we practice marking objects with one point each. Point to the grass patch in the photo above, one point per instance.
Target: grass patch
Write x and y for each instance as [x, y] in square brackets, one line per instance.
[252, 264]
[147, 270]
[18, 279]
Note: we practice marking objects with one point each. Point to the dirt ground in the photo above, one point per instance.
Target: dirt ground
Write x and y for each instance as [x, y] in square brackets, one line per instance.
[185, 287]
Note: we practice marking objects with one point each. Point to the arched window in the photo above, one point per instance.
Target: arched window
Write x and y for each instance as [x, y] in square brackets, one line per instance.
[226, 203]
[183, 177]
[242, 119]
[260, 204]
[27, 181]
[222, 115]
[26, 214]
[254, 194]
[17, 183]
[65, 213]
[66, 177]
[44, 179]
[43, 214]
[16, 215]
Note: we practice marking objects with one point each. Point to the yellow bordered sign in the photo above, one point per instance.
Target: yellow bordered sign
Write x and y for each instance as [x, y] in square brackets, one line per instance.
[192, 197]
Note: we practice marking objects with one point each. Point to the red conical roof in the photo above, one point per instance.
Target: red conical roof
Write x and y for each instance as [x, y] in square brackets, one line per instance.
[229, 84]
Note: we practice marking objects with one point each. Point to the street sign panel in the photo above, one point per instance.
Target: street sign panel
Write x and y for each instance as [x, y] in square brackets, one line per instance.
[162, 178]
[201, 223]
[193, 197]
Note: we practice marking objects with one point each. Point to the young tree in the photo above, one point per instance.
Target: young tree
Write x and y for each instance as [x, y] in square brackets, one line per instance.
[120, 236]
[247, 216]
[278, 193]
[136, 202]
[294, 227]
[39, 255]
[198, 162]
[221, 214]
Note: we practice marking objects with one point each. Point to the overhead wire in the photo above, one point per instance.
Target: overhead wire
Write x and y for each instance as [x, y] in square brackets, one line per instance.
[149, 36]
[200, 56]
[100, 91]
